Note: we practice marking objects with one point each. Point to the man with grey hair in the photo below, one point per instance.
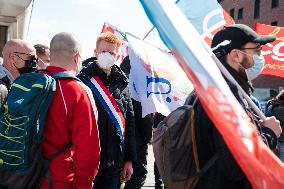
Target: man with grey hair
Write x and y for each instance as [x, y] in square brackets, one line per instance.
[71, 119]
[19, 56]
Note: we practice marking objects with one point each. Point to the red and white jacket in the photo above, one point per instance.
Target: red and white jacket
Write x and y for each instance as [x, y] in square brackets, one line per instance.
[72, 118]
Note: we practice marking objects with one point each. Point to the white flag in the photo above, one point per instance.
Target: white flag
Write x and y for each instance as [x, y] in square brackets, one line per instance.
[156, 79]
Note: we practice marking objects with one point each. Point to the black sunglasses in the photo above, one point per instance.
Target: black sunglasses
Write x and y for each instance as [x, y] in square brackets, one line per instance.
[32, 56]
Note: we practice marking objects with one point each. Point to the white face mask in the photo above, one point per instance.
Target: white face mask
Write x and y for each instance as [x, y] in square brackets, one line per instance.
[44, 66]
[105, 60]
[257, 68]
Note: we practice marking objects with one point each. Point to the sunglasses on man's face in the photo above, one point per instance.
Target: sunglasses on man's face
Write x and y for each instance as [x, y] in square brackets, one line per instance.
[31, 62]
[31, 57]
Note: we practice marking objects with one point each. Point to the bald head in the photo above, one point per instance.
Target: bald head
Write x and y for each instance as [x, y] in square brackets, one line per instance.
[18, 45]
[63, 46]
[11, 60]
[65, 50]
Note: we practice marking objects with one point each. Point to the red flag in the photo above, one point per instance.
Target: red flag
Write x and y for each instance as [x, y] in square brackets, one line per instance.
[273, 52]
[228, 21]
[263, 169]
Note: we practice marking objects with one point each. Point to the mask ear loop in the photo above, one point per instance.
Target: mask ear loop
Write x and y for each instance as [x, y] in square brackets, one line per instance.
[76, 62]
[240, 62]
[15, 64]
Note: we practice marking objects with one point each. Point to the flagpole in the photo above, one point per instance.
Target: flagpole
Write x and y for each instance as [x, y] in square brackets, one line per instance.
[154, 26]
[231, 79]
[148, 32]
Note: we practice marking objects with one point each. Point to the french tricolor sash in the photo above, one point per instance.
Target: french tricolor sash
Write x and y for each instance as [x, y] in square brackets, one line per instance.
[109, 103]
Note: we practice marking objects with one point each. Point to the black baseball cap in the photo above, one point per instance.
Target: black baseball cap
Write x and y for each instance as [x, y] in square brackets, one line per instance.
[234, 37]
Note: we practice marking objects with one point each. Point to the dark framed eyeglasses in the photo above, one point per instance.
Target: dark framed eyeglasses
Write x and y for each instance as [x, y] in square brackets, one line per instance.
[32, 62]
[258, 48]
[30, 55]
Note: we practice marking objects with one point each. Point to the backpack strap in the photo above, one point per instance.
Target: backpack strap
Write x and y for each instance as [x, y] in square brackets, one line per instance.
[190, 98]
[64, 75]
[49, 179]
[59, 75]
[209, 164]
[59, 152]
[48, 174]
[212, 160]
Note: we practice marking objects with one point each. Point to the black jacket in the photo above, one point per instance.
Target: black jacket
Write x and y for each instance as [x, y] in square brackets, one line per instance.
[225, 172]
[112, 156]
[143, 125]
[276, 108]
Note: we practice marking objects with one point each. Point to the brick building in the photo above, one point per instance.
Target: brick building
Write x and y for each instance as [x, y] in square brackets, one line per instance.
[251, 11]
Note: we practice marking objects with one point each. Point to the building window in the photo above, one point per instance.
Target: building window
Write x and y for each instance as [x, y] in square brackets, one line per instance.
[274, 3]
[256, 8]
[232, 12]
[275, 23]
[240, 13]
[3, 37]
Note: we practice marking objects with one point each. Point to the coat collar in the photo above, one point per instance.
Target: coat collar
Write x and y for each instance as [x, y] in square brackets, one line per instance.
[93, 69]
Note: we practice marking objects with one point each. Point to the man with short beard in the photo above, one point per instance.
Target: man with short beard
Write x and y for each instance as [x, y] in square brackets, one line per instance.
[238, 48]
[113, 101]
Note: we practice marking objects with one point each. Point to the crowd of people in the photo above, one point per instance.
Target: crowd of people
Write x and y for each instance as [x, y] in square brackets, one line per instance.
[109, 137]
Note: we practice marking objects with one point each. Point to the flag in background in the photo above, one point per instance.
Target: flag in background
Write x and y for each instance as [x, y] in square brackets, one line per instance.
[263, 169]
[156, 79]
[208, 19]
[273, 52]
[207, 16]
[121, 35]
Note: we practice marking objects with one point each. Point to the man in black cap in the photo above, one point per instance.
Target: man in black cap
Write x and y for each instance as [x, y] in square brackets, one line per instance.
[238, 47]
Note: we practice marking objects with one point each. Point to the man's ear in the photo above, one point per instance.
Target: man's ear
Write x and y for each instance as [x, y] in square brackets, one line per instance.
[76, 57]
[236, 56]
[12, 57]
[96, 53]
[117, 54]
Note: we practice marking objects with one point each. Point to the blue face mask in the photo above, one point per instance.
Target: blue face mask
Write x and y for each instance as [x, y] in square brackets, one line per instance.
[257, 68]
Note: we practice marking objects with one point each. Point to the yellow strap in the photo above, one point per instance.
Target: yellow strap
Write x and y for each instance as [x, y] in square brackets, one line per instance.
[37, 85]
[25, 88]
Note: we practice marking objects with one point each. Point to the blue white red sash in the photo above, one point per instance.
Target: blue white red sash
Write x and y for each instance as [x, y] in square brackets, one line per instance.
[109, 103]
